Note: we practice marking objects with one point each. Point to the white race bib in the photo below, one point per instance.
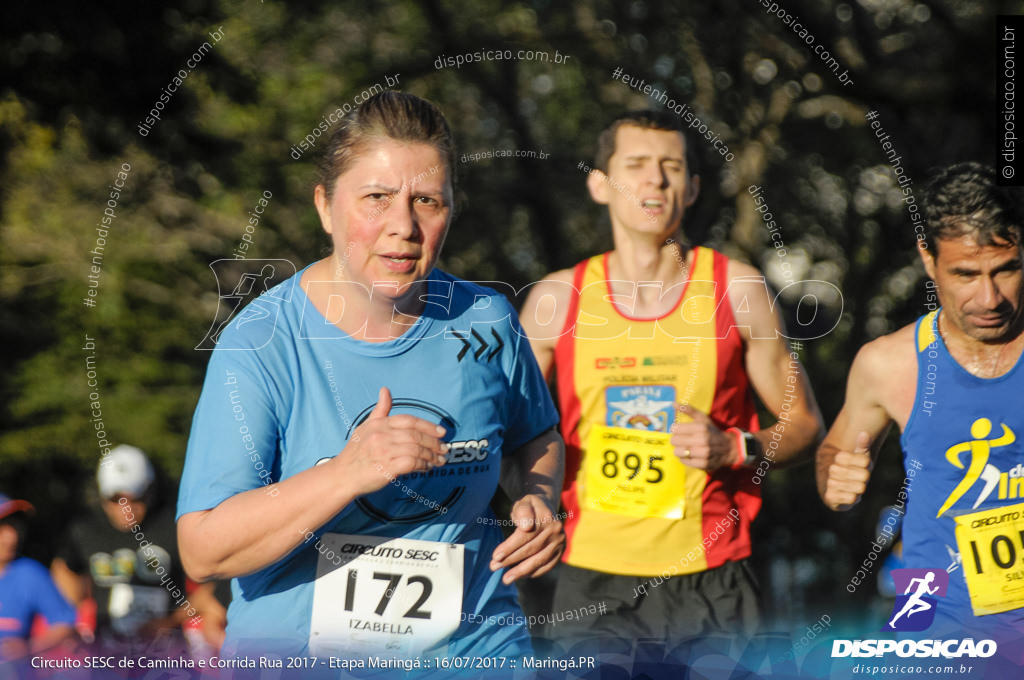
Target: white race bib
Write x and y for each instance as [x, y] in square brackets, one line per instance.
[384, 596]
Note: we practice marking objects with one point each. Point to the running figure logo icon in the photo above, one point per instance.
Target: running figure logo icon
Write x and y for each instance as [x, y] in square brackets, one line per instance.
[915, 609]
[251, 298]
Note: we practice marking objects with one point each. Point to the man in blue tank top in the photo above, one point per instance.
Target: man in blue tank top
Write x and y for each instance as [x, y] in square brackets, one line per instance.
[952, 381]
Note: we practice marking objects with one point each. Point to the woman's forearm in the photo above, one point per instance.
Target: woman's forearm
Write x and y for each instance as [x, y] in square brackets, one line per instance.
[256, 528]
[536, 468]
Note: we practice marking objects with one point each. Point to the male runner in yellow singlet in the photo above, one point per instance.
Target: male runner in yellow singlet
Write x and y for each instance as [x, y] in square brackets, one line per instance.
[657, 348]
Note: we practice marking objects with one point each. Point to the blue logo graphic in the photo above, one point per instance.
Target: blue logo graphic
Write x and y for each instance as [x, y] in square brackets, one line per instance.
[915, 609]
[641, 407]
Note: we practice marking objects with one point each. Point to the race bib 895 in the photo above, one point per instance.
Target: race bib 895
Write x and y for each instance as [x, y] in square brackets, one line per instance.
[633, 472]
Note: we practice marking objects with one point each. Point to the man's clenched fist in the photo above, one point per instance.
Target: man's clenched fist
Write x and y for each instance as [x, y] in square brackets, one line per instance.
[848, 475]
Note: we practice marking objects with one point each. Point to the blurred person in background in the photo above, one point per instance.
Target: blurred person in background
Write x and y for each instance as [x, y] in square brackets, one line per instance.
[657, 349]
[121, 568]
[27, 591]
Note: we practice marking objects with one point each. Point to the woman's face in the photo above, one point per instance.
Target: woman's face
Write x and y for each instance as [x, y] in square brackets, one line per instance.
[388, 216]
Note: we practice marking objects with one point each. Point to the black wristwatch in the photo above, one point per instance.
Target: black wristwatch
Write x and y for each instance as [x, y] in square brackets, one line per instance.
[751, 449]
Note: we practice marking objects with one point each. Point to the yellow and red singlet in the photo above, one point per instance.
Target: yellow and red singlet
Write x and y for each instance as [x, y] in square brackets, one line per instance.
[634, 508]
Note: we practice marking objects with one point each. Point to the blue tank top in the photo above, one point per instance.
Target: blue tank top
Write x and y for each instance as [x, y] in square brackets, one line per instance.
[978, 422]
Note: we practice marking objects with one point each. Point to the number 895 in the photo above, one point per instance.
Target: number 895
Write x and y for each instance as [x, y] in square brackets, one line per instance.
[633, 463]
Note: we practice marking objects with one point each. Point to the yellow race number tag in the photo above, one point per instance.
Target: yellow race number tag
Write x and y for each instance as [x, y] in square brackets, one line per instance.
[634, 473]
[992, 552]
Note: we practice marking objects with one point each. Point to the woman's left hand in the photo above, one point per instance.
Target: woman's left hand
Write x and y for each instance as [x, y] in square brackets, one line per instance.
[536, 545]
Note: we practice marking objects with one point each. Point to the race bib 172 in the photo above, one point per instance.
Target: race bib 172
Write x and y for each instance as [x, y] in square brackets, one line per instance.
[376, 595]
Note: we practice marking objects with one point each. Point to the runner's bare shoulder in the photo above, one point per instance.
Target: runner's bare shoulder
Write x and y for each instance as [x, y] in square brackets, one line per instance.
[547, 305]
[885, 370]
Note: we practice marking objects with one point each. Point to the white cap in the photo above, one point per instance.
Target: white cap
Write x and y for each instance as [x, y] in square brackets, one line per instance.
[125, 470]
